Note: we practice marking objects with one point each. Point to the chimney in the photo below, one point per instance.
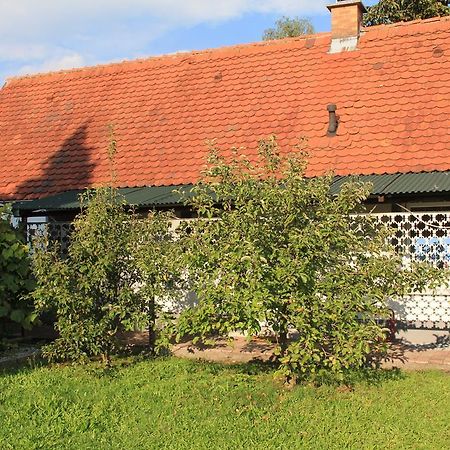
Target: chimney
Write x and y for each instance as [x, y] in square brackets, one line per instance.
[346, 22]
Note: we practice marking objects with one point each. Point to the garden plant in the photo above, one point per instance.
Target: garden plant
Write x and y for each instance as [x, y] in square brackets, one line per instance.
[274, 250]
[108, 282]
[16, 279]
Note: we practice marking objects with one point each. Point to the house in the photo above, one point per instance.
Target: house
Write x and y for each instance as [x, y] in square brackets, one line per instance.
[372, 102]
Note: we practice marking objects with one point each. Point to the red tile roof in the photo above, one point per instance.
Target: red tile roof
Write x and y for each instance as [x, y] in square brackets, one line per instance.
[393, 99]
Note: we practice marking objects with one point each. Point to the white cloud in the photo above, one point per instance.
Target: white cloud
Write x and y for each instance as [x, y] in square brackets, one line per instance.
[68, 61]
[194, 11]
[33, 16]
[40, 35]
[21, 51]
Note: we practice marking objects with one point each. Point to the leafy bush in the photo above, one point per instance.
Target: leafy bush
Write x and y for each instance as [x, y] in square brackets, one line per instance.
[15, 274]
[287, 254]
[287, 27]
[391, 11]
[109, 280]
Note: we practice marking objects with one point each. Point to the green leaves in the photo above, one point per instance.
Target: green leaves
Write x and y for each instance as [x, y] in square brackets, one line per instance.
[287, 256]
[288, 27]
[17, 315]
[117, 264]
[391, 11]
[5, 309]
[15, 273]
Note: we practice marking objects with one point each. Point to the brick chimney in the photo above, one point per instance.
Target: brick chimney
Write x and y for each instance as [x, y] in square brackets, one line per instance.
[346, 22]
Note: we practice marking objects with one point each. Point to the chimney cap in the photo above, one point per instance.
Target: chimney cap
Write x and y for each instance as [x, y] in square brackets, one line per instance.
[341, 3]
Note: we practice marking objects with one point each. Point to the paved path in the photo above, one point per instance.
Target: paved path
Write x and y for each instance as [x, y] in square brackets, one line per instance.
[241, 351]
[419, 358]
[237, 351]
[18, 357]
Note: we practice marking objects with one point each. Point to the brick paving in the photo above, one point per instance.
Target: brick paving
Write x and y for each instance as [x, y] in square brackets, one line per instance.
[241, 351]
[417, 359]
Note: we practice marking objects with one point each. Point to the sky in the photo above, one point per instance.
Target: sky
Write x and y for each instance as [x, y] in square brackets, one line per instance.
[48, 35]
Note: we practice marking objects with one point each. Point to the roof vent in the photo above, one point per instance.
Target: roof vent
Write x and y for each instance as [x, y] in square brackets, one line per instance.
[333, 120]
[346, 22]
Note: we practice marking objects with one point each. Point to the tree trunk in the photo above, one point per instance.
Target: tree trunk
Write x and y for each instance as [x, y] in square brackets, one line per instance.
[283, 331]
[151, 326]
[283, 341]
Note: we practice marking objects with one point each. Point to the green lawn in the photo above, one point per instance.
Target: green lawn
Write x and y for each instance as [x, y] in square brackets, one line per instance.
[177, 404]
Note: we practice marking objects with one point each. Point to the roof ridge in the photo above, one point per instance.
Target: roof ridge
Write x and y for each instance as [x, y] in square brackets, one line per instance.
[407, 23]
[168, 57]
[171, 57]
[391, 94]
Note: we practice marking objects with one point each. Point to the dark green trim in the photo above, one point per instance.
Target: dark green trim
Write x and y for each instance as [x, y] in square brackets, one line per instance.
[166, 196]
[403, 183]
[155, 196]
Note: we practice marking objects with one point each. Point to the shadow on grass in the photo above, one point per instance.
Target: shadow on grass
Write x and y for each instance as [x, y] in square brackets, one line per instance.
[373, 377]
[254, 368]
[22, 367]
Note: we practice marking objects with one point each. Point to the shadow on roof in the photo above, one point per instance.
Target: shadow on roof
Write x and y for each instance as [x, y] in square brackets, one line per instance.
[70, 166]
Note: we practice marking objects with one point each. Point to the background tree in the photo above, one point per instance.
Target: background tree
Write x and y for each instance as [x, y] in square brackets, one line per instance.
[391, 11]
[15, 274]
[286, 254]
[109, 281]
[288, 27]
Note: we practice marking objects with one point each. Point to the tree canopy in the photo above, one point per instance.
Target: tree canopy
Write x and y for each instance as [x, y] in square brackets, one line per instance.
[288, 27]
[109, 281]
[15, 274]
[273, 250]
[392, 11]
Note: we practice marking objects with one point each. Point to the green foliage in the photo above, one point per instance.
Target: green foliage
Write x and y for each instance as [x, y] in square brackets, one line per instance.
[109, 280]
[174, 404]
[279, 250]
[288, 27]
[15, 274]
[391, 11]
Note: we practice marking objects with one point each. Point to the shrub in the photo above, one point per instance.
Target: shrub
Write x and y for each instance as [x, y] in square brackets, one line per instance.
[287, 27]
[287, 254]
[15, 274]
[109, 280]
[392, 11]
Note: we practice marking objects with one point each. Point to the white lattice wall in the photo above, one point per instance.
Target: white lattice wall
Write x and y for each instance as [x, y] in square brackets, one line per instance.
[56, 231]
[417, 236]
[422, 237]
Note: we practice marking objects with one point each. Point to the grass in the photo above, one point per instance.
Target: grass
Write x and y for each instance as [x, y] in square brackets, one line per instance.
[178, 404]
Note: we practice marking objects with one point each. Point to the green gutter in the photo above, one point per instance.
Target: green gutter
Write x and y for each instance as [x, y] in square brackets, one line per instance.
[166, 196]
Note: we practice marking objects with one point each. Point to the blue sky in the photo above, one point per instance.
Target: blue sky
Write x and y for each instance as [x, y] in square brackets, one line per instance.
[46, 35]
